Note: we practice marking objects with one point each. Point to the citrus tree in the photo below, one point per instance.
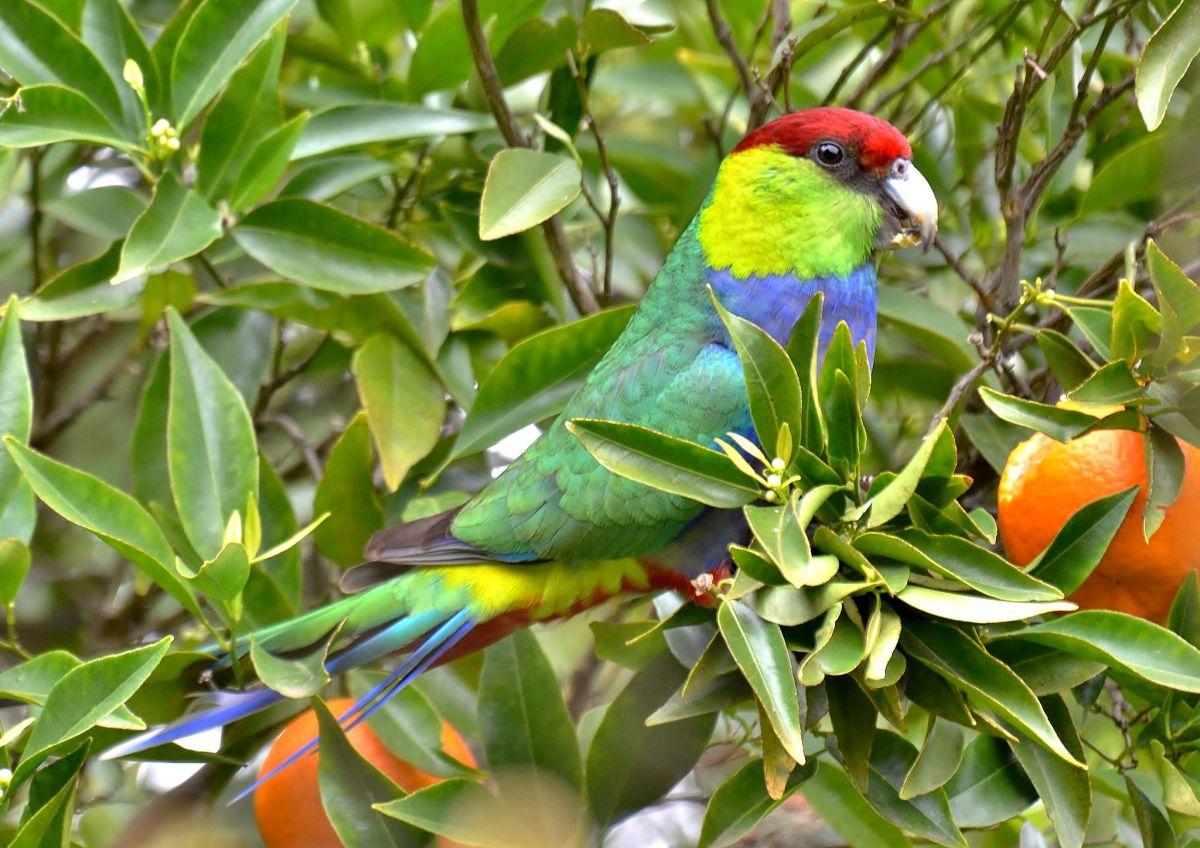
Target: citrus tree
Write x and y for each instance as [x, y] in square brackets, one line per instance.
[281, 273]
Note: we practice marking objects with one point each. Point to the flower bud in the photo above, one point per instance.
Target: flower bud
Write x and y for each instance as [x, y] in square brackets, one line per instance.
[132, 72]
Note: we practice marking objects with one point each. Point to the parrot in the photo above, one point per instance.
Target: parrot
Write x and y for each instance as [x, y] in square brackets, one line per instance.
[802, 204]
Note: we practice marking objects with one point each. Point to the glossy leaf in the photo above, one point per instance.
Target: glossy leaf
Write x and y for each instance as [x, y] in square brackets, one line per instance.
[45, 114]
[536, 377]
[832, 794]
[630, 765]
[266, 163]
[350, 786]
[322, 247]
[177, 224]
[1165, 60]
[760, 652]
[110, 514]
[1082, 541]
[522, 714]
[1165, 469]
[524, 188]
[36, 47]
[959, 559]
[347, 493]
[968, 666]
[17, 515]
[247, 110]
[353, 124]
[741, 802]
[887, 503]
[404, 402]
[665, 462]
[211, 454]
[1125, 642]
[927, 816]
[938, 759]
[1064, 789]
[989, 786]
[218, 36]
[960, 606]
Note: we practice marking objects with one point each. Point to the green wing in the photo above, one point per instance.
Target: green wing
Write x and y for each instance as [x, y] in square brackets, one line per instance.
[556, 502]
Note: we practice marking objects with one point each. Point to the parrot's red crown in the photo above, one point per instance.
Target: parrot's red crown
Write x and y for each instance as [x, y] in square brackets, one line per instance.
[873, 141]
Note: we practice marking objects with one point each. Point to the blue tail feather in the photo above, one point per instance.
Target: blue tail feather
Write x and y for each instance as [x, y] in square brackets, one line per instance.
[432, 649]
[233, 706]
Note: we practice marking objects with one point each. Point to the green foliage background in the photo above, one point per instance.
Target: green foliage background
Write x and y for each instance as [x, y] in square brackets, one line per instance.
[283, 272]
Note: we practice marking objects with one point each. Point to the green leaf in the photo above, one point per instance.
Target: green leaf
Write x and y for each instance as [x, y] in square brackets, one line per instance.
[177, 224]
[630, 765]
[35, 47]
[1165, 468]
[15, 560]
[536, 377]
[853, 718]
[965, 664]
[83, 290]
[404, 402]
[522, 715]
[217, 38]
[84, 696]
[1155, 829]
[535, 47]
[17, 516]
[32, 680]
[938, 760]
[524, 188]
[1070, 365]
[371, 121]
[1184, 617]
[107, 27]
[50, 825]
[409, 726]
[665, 462]
[1169, 52]
[741, 802]
[211, 454]
[1123, 641]
[301, 677]
[1045, 670]
[350, 787]
[1082, 541]
[110, 514]
[832, 794]
[1055, 421]
[606, 29]
[266, 164]
[847, 437]
[1135, 325]
[347, 493]
[889, 501]
[1173, 287]
[321, 247]
[760, 652]
[960, 559]
[243, 115]
[1113, 383]
[803, 349]
[931, 326]
[772, 386]
[960, 606]
[989, 786]
[45, 114]
[1065, 790]
[926, 816]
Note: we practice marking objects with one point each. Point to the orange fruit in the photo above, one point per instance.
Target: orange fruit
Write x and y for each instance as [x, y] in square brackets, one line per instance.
[1045, 481]
[288, 806]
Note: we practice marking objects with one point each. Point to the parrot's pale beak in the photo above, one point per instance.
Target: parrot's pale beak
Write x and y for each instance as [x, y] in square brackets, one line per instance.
[911, 205]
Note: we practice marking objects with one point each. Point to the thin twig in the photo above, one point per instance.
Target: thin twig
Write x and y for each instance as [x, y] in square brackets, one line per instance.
[493, 92]
[607, 220]
[289, 426]
[724, 35]
[60, 419]
[35, 215]
[281, 377]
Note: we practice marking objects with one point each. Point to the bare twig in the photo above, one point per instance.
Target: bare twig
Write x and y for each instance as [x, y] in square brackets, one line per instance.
[902, 37]
[280, 377]
[404, 194]
[60, 419]
[955, 263]
[489, 80]
[289, 426]
[35, 215]
[724, 36]
[608, 219]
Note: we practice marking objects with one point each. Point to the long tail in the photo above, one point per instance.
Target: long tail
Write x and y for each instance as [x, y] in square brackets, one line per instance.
[374, 624]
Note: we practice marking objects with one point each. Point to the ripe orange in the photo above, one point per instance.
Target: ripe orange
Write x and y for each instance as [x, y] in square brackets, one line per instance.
[288, 806]
[1046, 481]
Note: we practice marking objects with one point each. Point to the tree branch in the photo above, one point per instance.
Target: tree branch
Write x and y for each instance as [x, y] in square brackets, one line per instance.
[493, 92]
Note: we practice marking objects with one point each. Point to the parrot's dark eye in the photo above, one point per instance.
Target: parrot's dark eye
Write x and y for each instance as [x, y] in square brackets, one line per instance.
[830, 154]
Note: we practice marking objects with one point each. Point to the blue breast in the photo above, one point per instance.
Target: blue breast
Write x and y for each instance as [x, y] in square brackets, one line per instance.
[776, 301]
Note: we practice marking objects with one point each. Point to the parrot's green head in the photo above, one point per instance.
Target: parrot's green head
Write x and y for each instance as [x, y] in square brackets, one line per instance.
[813, 194]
